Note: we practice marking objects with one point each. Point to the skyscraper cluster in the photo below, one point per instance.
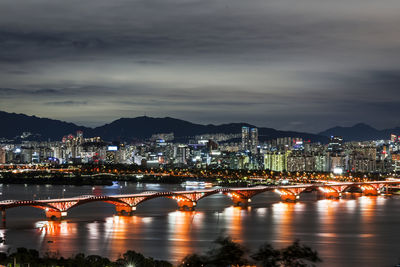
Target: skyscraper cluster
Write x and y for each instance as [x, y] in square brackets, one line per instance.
[215, 151]
[249, 139]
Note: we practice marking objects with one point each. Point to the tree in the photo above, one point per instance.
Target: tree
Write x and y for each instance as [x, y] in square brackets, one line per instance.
[298, 255]
[227, 253]
[267, 256]
[230, 253]
[194, 260]
[133, 257]
[97, 261]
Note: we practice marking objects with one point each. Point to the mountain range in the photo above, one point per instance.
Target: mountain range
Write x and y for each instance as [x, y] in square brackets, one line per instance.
[128, 129]
[360, 132]
[139, 128]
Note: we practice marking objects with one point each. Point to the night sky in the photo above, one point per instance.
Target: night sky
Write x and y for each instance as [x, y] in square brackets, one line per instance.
[289, 64]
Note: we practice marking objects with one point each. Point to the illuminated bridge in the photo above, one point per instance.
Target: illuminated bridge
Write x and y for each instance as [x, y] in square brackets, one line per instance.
[187, 200]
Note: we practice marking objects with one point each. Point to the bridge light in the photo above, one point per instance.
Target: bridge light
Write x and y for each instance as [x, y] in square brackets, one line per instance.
[297, 197]
[63, 213]
[249, 200]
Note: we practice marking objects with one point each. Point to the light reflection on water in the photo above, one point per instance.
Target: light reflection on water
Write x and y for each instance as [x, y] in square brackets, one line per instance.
[180, 227]
[282, 216]
[351, 231]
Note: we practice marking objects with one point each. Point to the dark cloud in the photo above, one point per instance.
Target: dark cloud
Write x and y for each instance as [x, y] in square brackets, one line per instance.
[7, 91]
[17, 92]
[67, 103]
[303, 65]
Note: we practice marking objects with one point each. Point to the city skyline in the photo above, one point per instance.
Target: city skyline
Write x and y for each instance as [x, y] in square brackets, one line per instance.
[285, 65]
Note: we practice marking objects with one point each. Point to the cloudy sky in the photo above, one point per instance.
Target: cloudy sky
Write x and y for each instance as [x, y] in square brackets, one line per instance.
[289, 64]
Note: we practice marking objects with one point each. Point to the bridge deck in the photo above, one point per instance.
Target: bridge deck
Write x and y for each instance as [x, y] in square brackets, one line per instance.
[205, 191]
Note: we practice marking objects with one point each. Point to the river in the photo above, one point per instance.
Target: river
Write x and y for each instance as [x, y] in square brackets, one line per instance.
[353, 231]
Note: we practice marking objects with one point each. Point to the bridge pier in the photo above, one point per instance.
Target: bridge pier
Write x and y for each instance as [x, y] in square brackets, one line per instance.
[241, 201]
[55, 214]
[329, 195]
[289, 197]
[186, 205]
[124, 210]
[369, 190]
[329, 192]
[332, 195]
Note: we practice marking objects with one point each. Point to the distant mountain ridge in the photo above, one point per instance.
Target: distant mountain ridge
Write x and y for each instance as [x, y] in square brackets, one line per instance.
[360, 132]
[128, 129]
[15, 124]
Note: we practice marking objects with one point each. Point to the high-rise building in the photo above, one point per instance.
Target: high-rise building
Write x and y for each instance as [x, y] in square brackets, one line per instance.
[276, 161]
[253, 140]
[335, 144]
[181, 154]
[322, 163]
[337, 163]
[249, 139]
[245, 138]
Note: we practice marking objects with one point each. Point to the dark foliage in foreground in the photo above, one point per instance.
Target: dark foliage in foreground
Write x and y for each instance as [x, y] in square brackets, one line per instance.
[230, 253]
[24, 256]
[225, 253]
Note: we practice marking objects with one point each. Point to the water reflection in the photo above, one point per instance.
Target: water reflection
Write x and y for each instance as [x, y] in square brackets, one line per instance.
[368, 208]
[93, 236]
[182, 225]
[351, 205]
[56, 228]
[232, 222]
[326, 213]
[50, 233]
[282, 215]
[121, 233]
